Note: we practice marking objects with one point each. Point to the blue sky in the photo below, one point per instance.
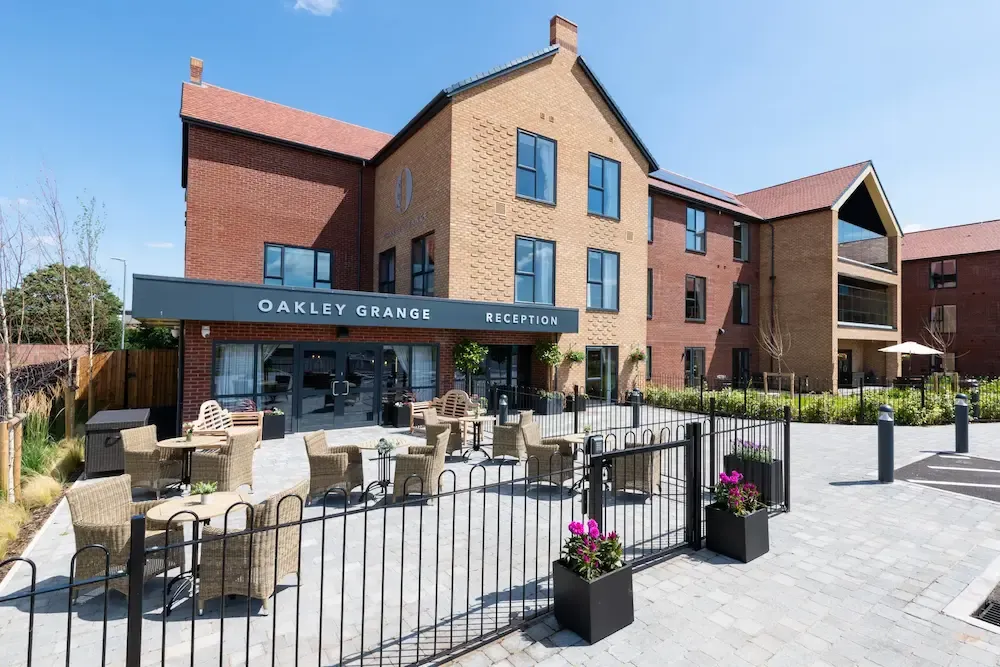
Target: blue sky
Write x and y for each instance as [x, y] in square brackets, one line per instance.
[738, 94]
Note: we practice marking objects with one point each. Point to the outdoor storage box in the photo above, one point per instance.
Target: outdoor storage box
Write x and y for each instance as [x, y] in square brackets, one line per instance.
[103, 452]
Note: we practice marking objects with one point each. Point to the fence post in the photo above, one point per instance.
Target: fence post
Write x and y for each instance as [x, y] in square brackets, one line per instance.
[16, 451]
[712, 463]
[788, 458]
[576, 408]
[701, 393]
[136, 565]
[923, 394]
[861, 402]
[595, 486]
[5, 460]
[746, 386]
[69, 407]
[798, 381]
[694, 484]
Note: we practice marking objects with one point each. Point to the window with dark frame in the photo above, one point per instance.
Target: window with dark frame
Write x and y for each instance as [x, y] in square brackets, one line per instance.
[603, 186]
[694, 365]
[387, 271]
[944, 319]
[741, 241]
[536, 167]
[602, 372]
[944, 273]
[649, 221]
[741, 303]
[602, 280]
[534, 271]
[694, 298]
[649, 362]
[694, 240]
[297, 267]
[649, 294]
[422, 266]
[741, 366]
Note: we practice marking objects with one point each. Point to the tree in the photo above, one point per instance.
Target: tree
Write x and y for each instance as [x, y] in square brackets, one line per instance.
[89, 227]
[54, 241]
[13, 251]
[773, 338]
[939, 333]
[146, 337]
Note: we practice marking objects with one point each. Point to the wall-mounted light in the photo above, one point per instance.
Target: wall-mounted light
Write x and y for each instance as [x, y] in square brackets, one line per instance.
[722, 332]
[206, 331]
[175, 332]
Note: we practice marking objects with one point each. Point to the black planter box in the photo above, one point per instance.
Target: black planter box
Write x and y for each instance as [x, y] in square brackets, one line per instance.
[767, 477]
[741, 537]
[547, 406]
[401, 414]
[274, 427]
[573, 405]
[593, 609]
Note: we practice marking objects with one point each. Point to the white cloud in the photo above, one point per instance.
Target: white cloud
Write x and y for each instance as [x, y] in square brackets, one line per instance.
[166, 245]
[19, 202]
[318, 7]
[45, 239]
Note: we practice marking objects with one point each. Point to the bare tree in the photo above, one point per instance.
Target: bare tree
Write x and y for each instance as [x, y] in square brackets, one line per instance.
[939, 333]
[89, 227]
[773, 338]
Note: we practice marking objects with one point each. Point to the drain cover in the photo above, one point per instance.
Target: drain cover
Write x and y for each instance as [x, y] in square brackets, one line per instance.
[989, 612]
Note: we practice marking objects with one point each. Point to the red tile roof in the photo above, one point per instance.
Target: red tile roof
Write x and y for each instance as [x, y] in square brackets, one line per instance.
[219, 106]
[948, 241]
[804, 194]
[670, 188]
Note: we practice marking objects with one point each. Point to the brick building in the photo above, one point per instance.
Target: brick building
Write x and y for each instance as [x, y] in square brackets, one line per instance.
[329, 266]
[951, 297]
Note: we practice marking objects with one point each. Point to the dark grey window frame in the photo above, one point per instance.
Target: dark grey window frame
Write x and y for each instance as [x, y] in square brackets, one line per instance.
[743, 240]
[940, 279]
[649, 362]
[649, 221]
[649, 293]
[689, 375]
[425, 272]
[607, 363]
[618, 282]
[704, 230]
[555, 167]
[738, 305]
[603, 187]
[387, 285]
[316, 253]
[533, 274]
[703, 306]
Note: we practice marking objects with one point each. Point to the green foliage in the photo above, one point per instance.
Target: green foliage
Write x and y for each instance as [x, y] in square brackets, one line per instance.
[149, 338]
[548, 353]
[204, 488]
[574, 356]
[38, 448]
[469, 355]
[636, 355]
[44, 307]
[551, 394]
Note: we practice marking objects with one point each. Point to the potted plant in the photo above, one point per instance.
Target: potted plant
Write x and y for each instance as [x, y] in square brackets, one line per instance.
[574, 405]
[548, 403]
[759, 467]
[468, 356]
[636, 355]
[188, 430]
[274, 424]
[574, 356]
[592, 583]
[549, 355]
[397, 408]
[736, 523]
[205, 490]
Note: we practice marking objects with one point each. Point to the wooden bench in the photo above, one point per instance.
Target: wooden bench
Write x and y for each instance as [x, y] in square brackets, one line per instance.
[417, 410]
[214, 420]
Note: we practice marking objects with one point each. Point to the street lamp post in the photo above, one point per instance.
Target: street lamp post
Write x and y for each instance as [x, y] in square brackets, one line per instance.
[124, 273]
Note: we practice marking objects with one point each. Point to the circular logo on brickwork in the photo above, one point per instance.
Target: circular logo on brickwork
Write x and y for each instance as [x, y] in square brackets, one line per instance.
[404, 189]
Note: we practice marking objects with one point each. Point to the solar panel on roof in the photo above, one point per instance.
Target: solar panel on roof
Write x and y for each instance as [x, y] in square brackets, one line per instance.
[694, 186]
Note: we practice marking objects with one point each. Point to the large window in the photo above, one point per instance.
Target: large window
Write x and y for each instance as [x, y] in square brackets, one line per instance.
[410, 368]
[422, 261]
[944, 273]
[297, 267]
[602, 280]
[247, 377]
[694, 365]
[603, 184]
[649, 220]
[649, 294]
[861, 302]
[536, 167]
[694, 298]
[741, 303]
[741, 241]
[944, 319]
[602, 373]
[649, 362]
[694, 240]
[387, 271]
[741, 366]
[534, 271]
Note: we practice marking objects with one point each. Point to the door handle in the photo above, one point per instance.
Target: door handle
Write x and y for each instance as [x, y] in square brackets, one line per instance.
[347, 387]
[333, 388]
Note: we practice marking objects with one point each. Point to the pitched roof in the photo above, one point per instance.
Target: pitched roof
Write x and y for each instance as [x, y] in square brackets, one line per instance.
[694, 195]
[811, 193]
[231, 110]
[948, 241]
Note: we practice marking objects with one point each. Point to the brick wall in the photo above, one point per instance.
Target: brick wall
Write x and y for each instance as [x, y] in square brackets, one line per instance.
[667, 332]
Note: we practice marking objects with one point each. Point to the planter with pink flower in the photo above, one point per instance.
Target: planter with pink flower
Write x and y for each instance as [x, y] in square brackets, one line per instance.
[592, 583]
[736, 523]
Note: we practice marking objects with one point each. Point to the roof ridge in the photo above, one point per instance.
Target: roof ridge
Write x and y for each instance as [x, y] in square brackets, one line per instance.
[802, 178]
[285, 106]
[944, 227]
[448, 90]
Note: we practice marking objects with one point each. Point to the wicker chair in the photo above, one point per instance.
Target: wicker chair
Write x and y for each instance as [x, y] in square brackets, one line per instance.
[146, 464]
[550, 460]
[250, 557]
[508, 439]
[337, 467]
[426, 463]
[100, 513]
[640, 472]
[457, 438]
[231, 466]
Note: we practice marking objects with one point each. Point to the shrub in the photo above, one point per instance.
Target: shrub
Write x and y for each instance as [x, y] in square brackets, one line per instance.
[39, 491]
[12, 517]
[38, 449]
[548, 353]
[817, 409]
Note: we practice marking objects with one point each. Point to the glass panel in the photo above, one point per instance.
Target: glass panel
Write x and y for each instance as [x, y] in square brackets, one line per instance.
[233, 371]
[359, 401]
[272, 281]
[281, 402]
[546, 170]
[544, 272]
[593, 295]
[238, 403]
[525, 150]
[429, 284]
[524, 287]
[425, 367]
[320, 285]
[524, 255]
[649, 220]
[395, 368]
[593, 266]
[595, 201]
[596, 172]
[417, 255]
[610, 281]
[525, 182]
[272, 262]
[418, 285]
[275, 363]
[299, 267]
[429, 243]
[323, 265]
[317, 402]
[611, 188]
[318, 369]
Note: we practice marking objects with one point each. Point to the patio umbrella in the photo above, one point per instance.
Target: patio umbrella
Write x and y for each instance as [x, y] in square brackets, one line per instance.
[909, 348]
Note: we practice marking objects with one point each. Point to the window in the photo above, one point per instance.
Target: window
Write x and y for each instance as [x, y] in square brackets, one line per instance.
[741, 241]
[603, 183]
[602, 373]
[741, 366]
[602, 280]
[741, 303]
[694, 365]
[943, 319]
[649, 362]
[694, 299]
[410, 367]
[536, 167]
[387, 271]
[297, 267]
[695, 237]
[534, 271]
[649, 221]
[422, 263]
[649, 294]
[944, 273]
[253, 376]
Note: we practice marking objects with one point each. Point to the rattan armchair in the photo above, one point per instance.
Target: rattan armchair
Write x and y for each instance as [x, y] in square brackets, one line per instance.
[549, 460]
[418, 470]
[456, 440]
[100, 513]
[337, 467]
[146, 464]
[231, 466]
[508, 439]
[638, 472]
[251, 567]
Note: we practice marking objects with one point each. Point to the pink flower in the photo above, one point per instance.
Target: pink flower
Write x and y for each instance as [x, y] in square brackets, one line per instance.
[591, 525]
[595, 532]
[576, 528]
[612, 535]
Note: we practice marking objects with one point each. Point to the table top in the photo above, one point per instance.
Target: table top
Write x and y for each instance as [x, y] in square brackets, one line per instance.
[196, 442]
[220, 502]
[476, 418]
[578, 438]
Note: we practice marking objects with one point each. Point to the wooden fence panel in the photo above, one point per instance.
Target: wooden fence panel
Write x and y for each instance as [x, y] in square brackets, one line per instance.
[130, 378]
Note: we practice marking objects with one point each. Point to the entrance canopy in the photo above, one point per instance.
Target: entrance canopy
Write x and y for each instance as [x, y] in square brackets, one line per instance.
[910, 347]
[166, 300]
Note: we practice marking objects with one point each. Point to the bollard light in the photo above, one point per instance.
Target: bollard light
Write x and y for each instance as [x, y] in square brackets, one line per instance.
[886, 446]
[961, 401]
[885, 414]
[595, 445]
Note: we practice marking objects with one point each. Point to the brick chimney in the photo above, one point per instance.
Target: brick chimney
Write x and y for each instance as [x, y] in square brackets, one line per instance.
[562, 32]
[196, 67]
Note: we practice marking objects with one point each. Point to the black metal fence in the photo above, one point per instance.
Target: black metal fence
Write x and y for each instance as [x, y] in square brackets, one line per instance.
[387, 581]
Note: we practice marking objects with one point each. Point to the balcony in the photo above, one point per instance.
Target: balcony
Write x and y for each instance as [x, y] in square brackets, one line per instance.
[861, 245]
[864, 305]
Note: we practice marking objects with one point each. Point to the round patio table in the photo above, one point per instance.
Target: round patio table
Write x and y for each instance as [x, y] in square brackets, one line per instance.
[188, 447]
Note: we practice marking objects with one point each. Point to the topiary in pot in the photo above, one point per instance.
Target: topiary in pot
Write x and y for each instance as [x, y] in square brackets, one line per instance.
[549, 354]
[468, 356]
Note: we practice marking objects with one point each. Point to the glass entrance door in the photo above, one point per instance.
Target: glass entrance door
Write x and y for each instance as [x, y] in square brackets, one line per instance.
[337, 386]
